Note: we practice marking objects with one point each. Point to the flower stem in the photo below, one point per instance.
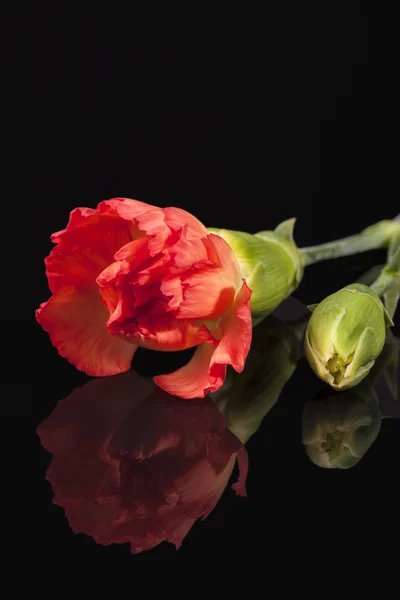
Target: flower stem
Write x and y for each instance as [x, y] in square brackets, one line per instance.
[371, 238]
[387, 283]
[384, 282]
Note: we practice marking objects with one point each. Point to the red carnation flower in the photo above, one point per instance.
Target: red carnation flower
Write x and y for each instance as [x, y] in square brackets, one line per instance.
[129, 274]
[134, 464]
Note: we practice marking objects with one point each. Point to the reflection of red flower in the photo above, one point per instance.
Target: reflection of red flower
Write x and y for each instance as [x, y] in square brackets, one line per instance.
[128, 274]
[134, 464]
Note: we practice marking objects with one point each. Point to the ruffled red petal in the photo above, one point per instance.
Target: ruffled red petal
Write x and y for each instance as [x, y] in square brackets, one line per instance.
[195, 379]
[208, 288]
[76, 323]
[177, 219]
[159, 330]
[236, 331]
[207, 369]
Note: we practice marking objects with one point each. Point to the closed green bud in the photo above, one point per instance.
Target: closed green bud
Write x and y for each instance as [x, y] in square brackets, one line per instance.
[338, 431]
[345, 335]
[269, 261]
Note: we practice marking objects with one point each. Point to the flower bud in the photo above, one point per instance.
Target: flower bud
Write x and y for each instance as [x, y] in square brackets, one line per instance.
[338, 431]
[269, 261]
[345, 335]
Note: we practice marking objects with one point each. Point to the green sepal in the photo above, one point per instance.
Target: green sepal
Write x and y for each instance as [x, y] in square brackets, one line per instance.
[391, 299]
[269, 261]
[286, 228]
[365, 290]
[312, 307]
[388, 320]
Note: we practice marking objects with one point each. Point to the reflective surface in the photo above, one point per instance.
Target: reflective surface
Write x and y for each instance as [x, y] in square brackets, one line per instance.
[134, 465]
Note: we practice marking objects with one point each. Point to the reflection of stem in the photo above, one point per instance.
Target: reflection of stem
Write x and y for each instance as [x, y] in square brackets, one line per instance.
[299, 327]
[371, 238]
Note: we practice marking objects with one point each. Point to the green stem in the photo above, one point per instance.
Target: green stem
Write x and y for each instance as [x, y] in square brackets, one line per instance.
[384, 282]
[371, 238]
[387, 283]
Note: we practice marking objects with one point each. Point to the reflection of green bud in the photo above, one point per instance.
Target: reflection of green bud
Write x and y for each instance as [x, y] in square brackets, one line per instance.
[269, 261]
[345, 334]
[338, 431]
[246, 398]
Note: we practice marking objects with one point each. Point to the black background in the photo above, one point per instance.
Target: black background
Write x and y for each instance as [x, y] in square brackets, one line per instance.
[243, 115]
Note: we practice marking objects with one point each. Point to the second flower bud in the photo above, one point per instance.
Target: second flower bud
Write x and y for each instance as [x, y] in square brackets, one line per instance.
[345, 335]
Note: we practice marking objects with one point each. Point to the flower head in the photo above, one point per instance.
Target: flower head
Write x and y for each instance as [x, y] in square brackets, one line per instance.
[129, 274]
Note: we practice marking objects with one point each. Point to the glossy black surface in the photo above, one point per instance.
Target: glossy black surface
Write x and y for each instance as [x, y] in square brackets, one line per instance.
[243, 121]
[290, 499]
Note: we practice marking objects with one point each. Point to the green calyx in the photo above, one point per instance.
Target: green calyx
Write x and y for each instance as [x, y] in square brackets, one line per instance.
[345, 335]
[269, 261]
